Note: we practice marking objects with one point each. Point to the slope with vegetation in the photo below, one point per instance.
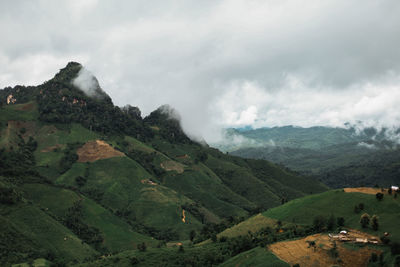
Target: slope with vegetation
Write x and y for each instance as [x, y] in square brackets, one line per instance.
[81, 178]
[339, 157]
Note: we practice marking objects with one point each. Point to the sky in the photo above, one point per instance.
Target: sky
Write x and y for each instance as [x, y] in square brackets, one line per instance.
[218, 63]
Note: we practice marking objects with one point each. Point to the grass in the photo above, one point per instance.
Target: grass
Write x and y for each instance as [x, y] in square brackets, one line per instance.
[44, 231]
[36, 263]
[341, 204]
[253, 224]
[120, 181]
[117, 234]
[255, 257]
[17, 113]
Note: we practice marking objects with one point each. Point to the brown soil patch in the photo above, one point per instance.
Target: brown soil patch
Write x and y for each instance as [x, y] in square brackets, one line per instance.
[95, 150]
[51, 148]
[173, 166]
[364, 190]
[299, 251]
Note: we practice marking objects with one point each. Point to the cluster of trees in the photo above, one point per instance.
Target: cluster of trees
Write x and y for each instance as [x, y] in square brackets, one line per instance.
[60, 102]
[366, 219]
[321, 223]
[73, 219]
[69, 157]
[19, 161]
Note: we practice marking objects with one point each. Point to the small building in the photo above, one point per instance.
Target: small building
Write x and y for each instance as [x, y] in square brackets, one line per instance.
[395, 187]
[343, 232]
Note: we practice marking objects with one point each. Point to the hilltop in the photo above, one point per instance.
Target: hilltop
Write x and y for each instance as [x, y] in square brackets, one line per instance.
[81, 177]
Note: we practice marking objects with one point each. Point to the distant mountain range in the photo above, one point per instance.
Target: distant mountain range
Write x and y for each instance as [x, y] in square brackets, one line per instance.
[337, 156]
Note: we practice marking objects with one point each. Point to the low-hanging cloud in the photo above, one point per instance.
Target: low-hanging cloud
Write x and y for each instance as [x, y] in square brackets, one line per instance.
[225, 63]
[87, 82]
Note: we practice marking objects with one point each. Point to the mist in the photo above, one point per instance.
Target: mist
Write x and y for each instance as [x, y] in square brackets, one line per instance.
[86, 82]
[220, 64]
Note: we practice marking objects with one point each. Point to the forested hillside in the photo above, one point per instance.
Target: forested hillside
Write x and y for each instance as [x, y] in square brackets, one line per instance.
[338, 157]
[81, 177]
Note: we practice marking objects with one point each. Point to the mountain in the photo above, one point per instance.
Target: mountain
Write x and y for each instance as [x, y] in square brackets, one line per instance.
[338, 157]
[81, 177]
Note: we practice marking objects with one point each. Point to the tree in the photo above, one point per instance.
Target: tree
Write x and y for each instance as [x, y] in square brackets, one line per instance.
[319, 223]
[390, 191]
[356, 209]
[364, 220]
[142, 247]
[333, 251]
[192, 235]
[331, 222]
[374, 257]
[379, 196]
[214, 237]
[375, 224]
[340, 221]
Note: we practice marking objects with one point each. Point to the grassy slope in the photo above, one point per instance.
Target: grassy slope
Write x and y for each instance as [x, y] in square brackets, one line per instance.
[18, 112]
[253, 224]
[44, 231]
[120, 180]
[341, 204]
[255, 257]
[116, 232]
[242, 182]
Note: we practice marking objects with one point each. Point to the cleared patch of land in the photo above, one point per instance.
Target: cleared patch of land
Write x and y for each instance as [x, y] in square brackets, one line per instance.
[96, 150]
[364, 190]
[301, 252]
[172, 166]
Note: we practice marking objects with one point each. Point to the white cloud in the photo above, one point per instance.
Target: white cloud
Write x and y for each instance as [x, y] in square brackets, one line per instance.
[219, 63]
[86, 82]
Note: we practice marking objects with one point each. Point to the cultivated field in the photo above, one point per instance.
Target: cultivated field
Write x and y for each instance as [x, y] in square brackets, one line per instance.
[365, 190]
[301, 252]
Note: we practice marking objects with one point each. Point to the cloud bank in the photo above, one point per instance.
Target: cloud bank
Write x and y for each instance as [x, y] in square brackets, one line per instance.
[219, 63]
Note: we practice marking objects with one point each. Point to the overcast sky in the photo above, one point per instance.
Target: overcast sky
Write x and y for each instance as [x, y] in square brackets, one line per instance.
[219, 63]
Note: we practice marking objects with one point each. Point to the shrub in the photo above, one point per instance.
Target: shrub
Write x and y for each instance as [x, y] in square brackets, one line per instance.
[340, 221]
[379, 196]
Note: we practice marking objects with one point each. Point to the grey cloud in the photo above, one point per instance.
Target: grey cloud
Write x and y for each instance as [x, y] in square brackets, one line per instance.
[219, 63]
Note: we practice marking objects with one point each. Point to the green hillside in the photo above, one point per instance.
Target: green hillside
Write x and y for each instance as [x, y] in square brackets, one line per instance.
[255, 257]
[81, 178]
[341, 204]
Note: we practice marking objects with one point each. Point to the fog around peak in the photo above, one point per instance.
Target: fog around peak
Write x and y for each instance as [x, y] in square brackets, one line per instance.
[220, 64]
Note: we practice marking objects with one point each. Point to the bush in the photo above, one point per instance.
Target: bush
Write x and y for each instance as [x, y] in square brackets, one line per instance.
[340, 221]
[142, 247]
[395, 248]
[364, 220]
[319, 223]
[374, 257]
[379, 196]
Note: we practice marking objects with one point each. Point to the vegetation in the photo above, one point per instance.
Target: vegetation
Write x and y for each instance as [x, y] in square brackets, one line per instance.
[166, 200]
